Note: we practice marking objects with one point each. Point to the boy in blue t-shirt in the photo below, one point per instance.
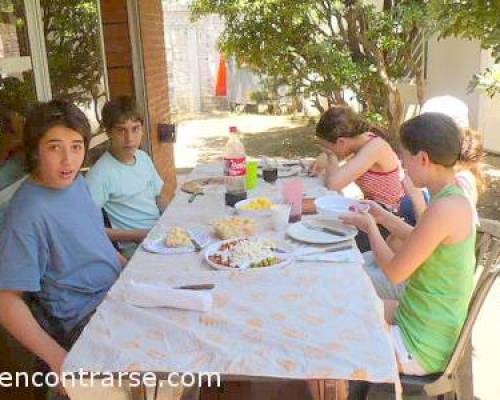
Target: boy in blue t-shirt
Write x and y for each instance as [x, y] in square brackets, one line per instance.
[124, 181]
[53, 246]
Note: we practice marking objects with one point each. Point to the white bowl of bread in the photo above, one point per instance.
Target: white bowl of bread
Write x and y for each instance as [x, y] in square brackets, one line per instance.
[234, 227]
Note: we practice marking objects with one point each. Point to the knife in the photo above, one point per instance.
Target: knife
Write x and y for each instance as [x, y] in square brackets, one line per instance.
[200, 286]
[194, 195]
[324, 229]
[312, 251]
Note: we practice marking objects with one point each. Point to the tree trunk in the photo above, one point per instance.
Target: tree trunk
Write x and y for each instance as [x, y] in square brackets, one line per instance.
[395, 107]
[393, 100]
[420, 82]
[332, 100]
[339, 98]
[317, 104]
[95, 101]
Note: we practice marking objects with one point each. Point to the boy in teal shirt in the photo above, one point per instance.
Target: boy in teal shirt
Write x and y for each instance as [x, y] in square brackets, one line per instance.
[124, 182]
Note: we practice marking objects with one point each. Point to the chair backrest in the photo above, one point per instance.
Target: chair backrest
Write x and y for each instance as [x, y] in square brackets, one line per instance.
[107, 224]
[487, 270]
[487, 248]
[105, 217]
[481, 291]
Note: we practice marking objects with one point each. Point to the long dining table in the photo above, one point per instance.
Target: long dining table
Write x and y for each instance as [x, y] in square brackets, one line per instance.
[307, 321]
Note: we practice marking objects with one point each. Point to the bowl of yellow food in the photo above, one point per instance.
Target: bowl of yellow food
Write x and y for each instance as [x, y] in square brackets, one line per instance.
[254, 207]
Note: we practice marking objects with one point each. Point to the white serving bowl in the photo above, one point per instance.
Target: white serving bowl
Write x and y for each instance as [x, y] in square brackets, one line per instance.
[334, 205]
[257, 213]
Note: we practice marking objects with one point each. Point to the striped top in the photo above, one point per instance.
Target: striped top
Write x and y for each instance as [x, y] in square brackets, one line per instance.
[383, 187]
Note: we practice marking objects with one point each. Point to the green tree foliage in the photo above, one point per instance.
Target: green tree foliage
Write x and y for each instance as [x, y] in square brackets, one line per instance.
[473, 19]
[327, 48]
[72, 41]
[74, 50]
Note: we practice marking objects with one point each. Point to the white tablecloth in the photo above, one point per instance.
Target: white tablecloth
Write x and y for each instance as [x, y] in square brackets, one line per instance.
[306, 321]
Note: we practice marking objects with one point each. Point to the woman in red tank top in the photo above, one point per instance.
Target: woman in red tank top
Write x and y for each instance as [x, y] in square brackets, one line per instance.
[370, 161]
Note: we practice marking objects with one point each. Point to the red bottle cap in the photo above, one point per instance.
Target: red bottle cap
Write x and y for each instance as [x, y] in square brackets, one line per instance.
[233, 129]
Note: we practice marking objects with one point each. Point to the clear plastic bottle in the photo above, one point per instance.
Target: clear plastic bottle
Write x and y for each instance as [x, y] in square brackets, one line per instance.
[234, 168]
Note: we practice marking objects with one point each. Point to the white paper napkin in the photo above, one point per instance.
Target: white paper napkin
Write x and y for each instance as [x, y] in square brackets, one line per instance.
[161, 295]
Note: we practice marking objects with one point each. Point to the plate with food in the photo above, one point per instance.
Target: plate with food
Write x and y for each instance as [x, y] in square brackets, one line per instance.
[202, 184]
[177, 241]
[321, 231]
[247, 253]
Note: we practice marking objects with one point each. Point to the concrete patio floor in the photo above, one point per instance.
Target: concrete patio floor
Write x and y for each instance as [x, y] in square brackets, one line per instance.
[202, 138]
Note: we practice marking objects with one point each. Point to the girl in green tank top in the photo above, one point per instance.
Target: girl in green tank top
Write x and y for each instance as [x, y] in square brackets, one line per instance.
[437, 256]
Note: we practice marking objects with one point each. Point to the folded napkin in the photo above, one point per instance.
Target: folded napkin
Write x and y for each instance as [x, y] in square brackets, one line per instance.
[342, 256]
[305, 250]
[161, 295]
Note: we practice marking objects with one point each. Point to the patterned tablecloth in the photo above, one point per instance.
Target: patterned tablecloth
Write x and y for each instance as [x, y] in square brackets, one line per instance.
[307, 321]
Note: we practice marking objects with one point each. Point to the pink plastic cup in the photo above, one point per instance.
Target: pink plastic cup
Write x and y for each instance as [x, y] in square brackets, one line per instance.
[293, 193]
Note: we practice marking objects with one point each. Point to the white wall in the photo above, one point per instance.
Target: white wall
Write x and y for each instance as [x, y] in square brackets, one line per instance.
[489, 113]
[451, 65]
[193, 61]
[192, 57]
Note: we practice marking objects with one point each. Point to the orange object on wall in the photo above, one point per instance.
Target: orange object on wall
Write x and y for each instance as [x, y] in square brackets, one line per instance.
[221, 84]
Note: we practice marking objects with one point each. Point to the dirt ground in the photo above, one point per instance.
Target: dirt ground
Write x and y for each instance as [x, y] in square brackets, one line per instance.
[489, 201]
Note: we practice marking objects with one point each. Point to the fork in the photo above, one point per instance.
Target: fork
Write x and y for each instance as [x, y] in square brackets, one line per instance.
[194, 195]
[195, 243]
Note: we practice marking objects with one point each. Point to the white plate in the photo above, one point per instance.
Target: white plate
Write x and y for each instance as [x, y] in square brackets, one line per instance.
[214, 248]
[157, 245]
[317, 192]
[300, 232]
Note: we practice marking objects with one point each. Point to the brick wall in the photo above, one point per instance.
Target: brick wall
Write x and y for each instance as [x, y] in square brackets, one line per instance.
[117, 47]
[155, 71]
[120, 71]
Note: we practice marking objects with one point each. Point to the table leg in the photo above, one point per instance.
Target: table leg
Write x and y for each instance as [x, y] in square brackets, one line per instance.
[192, 393]
[138, 393]
[329, 389]
[248, 390]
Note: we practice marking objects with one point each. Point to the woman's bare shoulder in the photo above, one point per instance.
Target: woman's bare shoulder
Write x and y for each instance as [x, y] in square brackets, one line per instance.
[454, 212]
[386, 157]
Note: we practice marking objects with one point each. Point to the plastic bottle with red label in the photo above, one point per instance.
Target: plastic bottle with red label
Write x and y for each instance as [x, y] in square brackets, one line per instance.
[234, 168]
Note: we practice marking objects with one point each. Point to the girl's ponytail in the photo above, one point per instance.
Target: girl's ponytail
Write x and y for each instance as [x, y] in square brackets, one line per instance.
[471, 156]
